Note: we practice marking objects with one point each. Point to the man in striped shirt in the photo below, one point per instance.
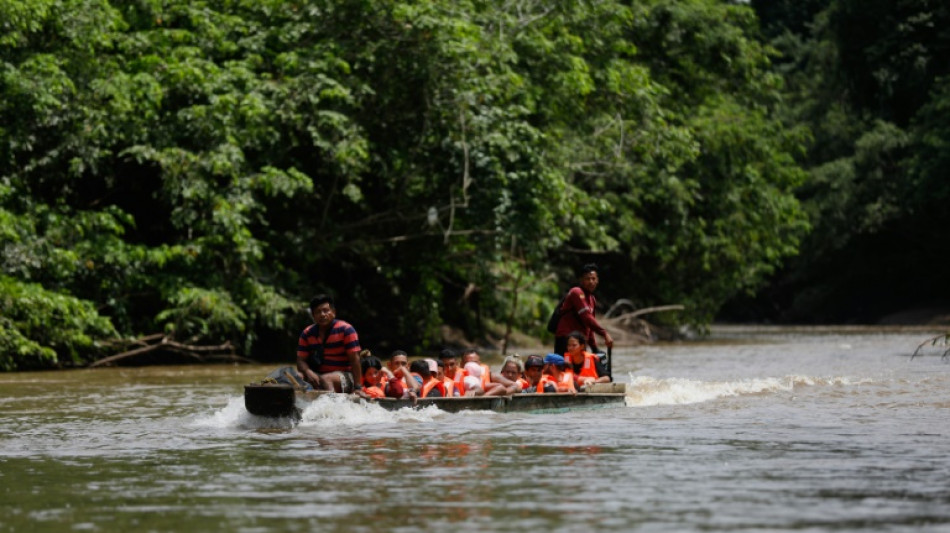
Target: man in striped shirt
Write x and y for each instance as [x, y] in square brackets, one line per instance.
[328, 352]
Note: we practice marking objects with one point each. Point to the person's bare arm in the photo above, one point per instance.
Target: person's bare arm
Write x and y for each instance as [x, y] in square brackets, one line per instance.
[511, 387]
[403, 372]
[356, 369]
[308, 373]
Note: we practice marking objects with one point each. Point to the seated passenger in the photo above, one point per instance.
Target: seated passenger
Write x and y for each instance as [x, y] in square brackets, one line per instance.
[450, 363]
[512, 370]
[554, 372]
[533, 367]
[401, 384]
[450, 388]
[473, 379]
[374, 379]
[430, 387]
[585, 366]
[489, 383]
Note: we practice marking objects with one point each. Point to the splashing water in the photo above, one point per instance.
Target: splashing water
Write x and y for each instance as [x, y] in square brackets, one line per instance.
[646, 391]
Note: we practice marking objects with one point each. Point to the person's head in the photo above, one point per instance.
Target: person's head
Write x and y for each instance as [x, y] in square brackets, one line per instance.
[441, 373]
[473, 369]
[398, 359]
[470, 355]
[512, 369]
[449, 360]
[576, 343]
[421, 367]
[532, 368]
[588, 277]
[553, 361]
[322, 309]
[371, 366]
[433, 366]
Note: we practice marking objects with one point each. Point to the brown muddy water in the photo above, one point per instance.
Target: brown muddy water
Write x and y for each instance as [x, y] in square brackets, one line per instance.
[753, 429]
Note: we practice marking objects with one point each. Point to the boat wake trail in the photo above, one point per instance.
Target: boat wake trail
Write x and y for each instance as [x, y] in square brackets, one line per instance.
[337, 410]
[644, 391]
[325, 412]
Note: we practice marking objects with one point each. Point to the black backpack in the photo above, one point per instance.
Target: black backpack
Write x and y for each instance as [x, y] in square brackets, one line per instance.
[556, 316]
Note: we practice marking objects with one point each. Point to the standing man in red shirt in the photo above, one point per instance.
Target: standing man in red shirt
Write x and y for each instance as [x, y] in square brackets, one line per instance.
[578, 312]
[328, 351]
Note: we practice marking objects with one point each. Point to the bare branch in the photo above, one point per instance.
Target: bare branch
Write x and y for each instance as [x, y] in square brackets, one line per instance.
[162, 342]
[648, 310]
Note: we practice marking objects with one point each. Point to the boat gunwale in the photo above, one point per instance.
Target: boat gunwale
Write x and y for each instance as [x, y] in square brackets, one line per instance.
[293, 400]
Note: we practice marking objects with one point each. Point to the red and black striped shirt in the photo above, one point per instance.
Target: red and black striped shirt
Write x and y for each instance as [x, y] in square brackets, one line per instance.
[341, 340]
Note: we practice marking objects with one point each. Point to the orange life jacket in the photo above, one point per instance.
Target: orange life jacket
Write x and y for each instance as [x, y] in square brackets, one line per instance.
[545, 380]
[589, 367]
[458, 380]
[486, 376]
[449, 385]
[380, 386]
[374, 392]
[433, 383]
[566, 383]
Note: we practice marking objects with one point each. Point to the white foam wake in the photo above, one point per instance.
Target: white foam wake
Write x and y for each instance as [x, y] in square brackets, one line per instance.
[326, 411]
[647, 391]
[334, 410]
[235, 415]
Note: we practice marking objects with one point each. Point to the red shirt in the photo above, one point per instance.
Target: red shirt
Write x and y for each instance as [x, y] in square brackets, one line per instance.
[578, 314]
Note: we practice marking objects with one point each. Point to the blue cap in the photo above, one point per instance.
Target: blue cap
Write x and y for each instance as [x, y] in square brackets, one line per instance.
[554, 359]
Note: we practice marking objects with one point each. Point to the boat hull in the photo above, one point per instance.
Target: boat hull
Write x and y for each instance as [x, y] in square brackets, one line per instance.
[284, 401]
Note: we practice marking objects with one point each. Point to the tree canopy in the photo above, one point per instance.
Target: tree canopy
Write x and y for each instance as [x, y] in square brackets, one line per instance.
[201, 169]
[868, 80]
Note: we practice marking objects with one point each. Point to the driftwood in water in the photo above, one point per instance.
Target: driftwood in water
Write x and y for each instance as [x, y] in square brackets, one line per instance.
[163, 348]
[629, 328]
[943, 338]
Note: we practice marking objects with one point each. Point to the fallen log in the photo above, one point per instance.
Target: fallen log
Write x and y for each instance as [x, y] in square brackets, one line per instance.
[160, 342]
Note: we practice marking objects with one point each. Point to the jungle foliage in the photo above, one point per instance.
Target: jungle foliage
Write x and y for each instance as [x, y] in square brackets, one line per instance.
[869, 79]
[200, 169]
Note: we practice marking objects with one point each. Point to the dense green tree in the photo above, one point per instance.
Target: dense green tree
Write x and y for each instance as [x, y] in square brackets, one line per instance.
[864, 77]
[200, 169]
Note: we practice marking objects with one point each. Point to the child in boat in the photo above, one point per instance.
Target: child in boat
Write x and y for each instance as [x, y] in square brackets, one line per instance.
[513, 371]
[374, 378]
[554, 372]
[533, 367]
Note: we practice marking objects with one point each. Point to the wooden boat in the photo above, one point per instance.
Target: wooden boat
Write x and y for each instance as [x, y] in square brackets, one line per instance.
[282, 400]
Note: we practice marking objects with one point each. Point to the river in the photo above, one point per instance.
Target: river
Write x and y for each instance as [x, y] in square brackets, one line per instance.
[752, 429]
